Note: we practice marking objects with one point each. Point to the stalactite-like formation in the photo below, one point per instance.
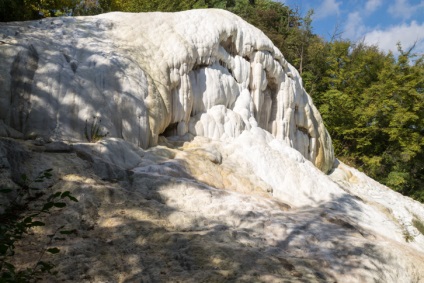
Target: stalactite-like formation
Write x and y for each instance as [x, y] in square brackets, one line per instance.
[203, 72]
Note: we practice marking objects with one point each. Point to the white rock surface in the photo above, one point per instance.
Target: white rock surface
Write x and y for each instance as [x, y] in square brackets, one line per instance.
[201, 72]
[213, 211]
[235, 192]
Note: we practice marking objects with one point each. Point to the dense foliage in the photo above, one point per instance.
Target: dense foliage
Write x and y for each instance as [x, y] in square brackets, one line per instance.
[373, 106]
[372, 102]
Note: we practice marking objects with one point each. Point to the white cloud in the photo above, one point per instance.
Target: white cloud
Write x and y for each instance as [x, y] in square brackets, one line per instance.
[354, 27]
[406, 34]
[405, 10]
[327, 8]
[372, 5]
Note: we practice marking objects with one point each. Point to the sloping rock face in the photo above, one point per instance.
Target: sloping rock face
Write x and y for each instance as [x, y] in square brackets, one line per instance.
[214, 167]
[206, 211]
[195, 73]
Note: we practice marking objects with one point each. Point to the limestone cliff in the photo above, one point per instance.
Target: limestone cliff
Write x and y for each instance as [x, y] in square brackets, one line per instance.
[196, 73]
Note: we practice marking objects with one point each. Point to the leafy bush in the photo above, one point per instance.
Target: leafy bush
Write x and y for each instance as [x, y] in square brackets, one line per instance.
[18, 219]
[407, 236]
[92, 131]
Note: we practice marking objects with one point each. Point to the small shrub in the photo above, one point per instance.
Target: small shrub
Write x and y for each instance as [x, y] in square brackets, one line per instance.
[18, 219]
[418, 224]
[92, 131]
[407, 236]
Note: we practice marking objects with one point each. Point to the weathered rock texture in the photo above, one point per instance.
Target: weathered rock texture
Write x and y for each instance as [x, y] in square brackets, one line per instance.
[209, 211]
[230, 188]
[197, 73]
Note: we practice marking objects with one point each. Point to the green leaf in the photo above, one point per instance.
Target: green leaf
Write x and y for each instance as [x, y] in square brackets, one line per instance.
[47, 206]
[68, 195]
[73, 199]
[68, 232]
[65, 194]
[59, 204]
[53, 250]
[5, 190]
[28, 219]
[55, 195]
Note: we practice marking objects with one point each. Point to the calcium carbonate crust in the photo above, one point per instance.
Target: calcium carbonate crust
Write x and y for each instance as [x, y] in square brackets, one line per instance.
[195, 73]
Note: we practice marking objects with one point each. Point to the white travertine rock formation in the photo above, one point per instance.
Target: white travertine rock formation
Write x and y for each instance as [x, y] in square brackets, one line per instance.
[214, 211]
[213, 168]
[201, 72]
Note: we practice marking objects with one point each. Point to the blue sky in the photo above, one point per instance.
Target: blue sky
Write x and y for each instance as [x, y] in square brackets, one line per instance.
[377, 22]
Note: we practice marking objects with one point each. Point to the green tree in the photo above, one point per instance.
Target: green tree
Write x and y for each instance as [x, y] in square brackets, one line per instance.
[15, 10]
[393, 117]
[373, 105]
[21, 10]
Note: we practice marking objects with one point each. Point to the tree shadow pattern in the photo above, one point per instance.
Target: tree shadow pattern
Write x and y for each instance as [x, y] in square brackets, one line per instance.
[154, 227]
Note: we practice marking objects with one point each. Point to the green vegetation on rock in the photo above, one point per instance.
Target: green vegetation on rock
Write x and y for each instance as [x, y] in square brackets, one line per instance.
[19, 217]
